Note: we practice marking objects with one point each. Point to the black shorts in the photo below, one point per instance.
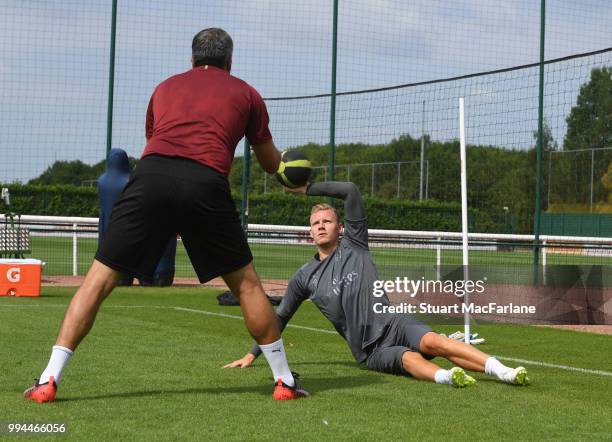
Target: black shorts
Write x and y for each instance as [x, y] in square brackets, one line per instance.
[167, 196]
[404, 334]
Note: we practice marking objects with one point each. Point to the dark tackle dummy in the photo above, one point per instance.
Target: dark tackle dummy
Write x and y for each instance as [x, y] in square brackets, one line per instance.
[110, 185]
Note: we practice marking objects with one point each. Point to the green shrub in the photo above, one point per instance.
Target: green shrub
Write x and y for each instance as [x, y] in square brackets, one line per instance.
[281, 209]
[55, 200]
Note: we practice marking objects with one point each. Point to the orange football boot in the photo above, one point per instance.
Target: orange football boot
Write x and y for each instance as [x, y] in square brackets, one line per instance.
[42, 392]
[284, 392]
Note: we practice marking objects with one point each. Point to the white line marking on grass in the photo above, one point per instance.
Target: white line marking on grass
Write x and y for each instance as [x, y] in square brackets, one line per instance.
[32, 305]
[562, 367]
[66, 306]
[224, 315]
[320, 330]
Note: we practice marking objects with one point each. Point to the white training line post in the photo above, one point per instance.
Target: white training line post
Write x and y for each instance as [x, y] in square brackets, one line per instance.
[464, 215]
[544, 262]
[74, 250]
[438, 259]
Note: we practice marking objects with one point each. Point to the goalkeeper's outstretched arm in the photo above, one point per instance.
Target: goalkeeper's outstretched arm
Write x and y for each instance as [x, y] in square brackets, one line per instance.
[354, 209]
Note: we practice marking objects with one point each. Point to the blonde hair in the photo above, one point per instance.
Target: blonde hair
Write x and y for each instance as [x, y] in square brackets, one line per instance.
[324, 206]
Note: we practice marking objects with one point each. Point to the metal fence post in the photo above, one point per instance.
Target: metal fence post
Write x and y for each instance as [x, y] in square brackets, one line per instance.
[422, 153]
[111, 80]
[372, 183]
[592, 175]
[244, 206]
[332, 117]
[398, 179]
[427, 179]
[538, 202]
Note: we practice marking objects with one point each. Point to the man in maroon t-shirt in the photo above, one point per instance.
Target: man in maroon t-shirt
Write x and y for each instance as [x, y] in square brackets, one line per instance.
[194, 122]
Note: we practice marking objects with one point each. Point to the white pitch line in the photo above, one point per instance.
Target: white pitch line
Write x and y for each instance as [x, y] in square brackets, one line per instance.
[320, 330]
[224, 315]
[66, 305]
[562, 367]
[32, 305]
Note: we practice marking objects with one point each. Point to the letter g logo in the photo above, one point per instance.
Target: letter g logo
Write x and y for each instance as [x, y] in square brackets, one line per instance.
[13, 274]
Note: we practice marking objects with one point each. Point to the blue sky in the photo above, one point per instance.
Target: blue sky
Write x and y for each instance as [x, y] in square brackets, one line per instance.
[54, 68]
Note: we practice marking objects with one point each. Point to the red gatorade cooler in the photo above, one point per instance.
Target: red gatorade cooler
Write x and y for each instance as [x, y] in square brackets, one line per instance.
[20, 277]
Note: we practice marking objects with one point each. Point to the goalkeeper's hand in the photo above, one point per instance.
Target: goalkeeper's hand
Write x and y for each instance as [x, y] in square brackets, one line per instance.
[244, 362]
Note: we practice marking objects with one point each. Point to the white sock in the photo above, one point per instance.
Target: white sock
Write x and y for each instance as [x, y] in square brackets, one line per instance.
[495, 368]
[443, 376]
[275, 354]
[59, 358]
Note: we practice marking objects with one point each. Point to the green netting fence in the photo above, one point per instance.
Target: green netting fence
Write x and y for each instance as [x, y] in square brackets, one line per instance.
[400, 69]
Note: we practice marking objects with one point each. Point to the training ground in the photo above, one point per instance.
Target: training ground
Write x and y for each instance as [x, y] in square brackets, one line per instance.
[151, 369]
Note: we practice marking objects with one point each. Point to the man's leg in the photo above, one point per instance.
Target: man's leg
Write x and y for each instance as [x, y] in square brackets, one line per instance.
[456, 351]
[80, 316]
[260, 319]
[470, 358]
[78, 320]
[422, 369]
[81, 313]
[466, 363]
[400, 360]
[419, 367]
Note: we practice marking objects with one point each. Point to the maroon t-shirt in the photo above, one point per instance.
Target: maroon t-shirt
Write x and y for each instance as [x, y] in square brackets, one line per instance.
[202, 114]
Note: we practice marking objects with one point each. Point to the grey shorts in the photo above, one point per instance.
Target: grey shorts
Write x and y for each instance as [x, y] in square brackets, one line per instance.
[404, 334]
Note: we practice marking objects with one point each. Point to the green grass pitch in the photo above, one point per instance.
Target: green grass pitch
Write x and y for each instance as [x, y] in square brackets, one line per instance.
[149, 371]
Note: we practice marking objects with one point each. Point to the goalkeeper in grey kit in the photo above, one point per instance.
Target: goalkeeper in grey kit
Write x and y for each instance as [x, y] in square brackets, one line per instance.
[339, 281]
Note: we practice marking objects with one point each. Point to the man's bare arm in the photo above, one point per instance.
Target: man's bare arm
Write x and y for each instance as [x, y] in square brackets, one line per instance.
[268, 156]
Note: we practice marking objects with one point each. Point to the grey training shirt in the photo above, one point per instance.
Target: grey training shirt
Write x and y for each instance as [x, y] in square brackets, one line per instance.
[340, 285]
